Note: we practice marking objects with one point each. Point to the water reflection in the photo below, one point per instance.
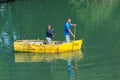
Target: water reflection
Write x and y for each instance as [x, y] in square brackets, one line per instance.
[46, 57]
[8, 31]
[2, 8]
[70, 69]
[93, 11]
[95, 15]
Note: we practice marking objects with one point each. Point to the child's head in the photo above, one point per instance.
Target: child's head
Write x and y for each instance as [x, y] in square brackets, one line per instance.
[49, 27]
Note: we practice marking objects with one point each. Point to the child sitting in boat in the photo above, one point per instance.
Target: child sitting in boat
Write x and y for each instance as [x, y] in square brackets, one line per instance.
[49, 34]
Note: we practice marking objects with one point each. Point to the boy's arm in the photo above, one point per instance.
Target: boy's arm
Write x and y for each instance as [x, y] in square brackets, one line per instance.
[71, 33]
[74, 25]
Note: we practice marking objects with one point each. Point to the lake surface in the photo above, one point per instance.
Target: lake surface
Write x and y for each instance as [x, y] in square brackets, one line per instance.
[98, 24]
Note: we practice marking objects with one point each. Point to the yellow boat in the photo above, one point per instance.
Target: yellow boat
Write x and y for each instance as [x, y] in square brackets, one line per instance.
[41, 46]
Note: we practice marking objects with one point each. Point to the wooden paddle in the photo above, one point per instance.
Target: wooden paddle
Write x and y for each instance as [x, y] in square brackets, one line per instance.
[74, 37]
[74, 32]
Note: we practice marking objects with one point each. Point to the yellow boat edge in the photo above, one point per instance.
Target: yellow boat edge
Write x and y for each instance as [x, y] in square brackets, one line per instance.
[37, 46]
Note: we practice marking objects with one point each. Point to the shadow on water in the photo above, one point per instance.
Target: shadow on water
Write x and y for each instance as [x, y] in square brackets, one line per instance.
[6, 1]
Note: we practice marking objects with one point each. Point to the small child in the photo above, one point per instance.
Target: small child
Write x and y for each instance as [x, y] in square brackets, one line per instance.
[49, 34]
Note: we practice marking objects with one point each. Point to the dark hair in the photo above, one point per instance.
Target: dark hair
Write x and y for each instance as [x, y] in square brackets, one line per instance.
[67, 19]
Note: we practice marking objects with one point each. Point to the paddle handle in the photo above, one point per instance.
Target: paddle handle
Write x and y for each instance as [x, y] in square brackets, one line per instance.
[74, 32]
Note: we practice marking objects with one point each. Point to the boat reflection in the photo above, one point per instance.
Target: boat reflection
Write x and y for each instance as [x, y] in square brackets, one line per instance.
[47, 57]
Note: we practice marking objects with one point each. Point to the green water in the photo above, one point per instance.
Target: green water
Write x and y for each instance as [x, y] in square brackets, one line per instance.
[98, 24]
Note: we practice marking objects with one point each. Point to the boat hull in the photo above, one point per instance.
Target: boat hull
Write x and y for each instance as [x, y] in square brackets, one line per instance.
[38, 46]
